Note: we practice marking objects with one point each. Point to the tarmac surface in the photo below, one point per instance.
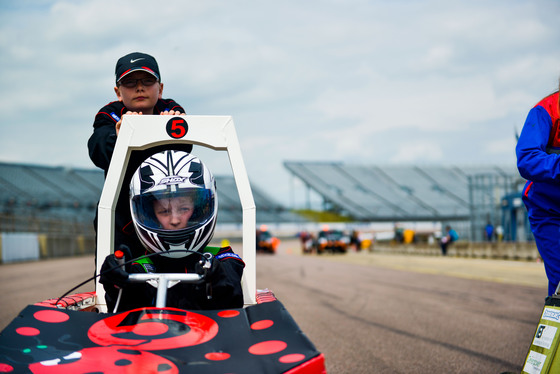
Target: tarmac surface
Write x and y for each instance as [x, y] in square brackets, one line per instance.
[367, 312]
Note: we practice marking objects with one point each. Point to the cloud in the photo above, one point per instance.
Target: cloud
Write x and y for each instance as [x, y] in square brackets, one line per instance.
[410, 153]
[354, 81]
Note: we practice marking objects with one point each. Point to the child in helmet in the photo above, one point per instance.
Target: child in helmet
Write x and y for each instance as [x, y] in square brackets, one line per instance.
[173, 204]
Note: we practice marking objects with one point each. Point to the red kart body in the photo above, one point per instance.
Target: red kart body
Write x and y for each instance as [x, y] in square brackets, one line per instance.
[76, 334]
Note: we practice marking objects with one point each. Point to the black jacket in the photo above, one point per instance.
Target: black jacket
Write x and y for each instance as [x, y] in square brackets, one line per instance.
[101, 145]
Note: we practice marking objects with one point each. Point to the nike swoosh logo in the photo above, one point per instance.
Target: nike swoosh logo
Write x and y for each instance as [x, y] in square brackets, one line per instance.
[138, 59]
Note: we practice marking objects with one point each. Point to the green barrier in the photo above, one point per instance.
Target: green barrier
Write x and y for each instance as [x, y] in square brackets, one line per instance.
[542, 357]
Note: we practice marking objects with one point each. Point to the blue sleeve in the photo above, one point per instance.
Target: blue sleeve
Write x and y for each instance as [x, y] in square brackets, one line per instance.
[533, 162]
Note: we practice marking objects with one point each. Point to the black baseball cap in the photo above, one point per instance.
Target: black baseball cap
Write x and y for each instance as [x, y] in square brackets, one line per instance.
[136, 61]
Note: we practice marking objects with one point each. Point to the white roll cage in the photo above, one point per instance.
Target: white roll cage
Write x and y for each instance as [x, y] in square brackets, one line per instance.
[143, 132]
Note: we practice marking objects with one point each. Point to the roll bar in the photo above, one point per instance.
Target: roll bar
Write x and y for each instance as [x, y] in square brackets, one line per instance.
[144, 132]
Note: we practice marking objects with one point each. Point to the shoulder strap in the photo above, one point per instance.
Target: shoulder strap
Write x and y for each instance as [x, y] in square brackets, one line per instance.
[212, 250]
[146, 263]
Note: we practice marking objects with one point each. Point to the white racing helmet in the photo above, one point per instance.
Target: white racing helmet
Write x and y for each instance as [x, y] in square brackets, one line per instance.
[173, 203]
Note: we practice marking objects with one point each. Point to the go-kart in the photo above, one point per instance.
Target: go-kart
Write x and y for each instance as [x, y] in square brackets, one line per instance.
[334, 241]
[266, 243]
[77, 334]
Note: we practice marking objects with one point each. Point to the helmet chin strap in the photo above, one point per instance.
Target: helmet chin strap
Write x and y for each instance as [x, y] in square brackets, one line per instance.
[177, 254]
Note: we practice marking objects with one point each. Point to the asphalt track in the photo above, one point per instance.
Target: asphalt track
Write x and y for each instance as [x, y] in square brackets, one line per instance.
[367, 312]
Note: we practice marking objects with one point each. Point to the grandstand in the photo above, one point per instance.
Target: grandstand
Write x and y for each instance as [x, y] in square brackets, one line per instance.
[35, 198]
[373, 193]
[44, 199]
[47, 199]
[229, 205]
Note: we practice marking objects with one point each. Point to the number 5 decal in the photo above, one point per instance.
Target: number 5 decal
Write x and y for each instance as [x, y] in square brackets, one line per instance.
[177, 127]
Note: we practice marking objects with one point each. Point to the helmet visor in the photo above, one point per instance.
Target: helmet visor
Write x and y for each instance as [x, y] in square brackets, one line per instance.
[172, 211]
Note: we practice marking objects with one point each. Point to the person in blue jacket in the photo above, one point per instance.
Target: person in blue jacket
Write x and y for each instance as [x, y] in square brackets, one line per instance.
[450, 236]
[538, 161]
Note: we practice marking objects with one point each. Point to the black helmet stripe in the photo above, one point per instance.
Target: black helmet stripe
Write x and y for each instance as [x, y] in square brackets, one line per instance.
[146, 180]
[170, 164]
[157, 164]
[197, 177]
[195, 239]
[186, 158]
[171, 167]
[149, 239]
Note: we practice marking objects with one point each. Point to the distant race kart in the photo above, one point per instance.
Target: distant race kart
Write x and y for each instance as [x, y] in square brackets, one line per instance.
[334, 241]
[77, 334]
[266, 242]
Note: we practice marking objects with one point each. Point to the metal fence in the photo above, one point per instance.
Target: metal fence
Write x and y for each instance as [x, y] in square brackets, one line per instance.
[24, 238]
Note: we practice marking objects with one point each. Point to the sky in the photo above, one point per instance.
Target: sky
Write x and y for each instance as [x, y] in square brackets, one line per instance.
[437, 82]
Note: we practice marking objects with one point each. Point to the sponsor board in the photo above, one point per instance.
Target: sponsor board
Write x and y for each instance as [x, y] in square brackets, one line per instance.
[551, 314]
[544, 336]
[535, 362]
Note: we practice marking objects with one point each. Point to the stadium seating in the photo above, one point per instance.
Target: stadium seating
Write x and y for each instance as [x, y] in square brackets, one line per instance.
[32, 193]
[364, 192]
[396, 192]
